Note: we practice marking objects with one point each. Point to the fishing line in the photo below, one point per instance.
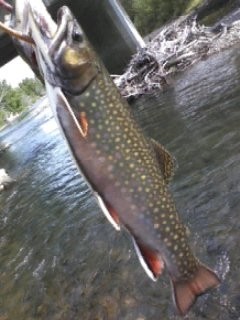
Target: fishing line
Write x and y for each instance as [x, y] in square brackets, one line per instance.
[16, 34]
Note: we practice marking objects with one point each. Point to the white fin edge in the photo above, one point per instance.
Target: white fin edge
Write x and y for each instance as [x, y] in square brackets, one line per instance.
[106, 212]
[71, 113]
[143, 262]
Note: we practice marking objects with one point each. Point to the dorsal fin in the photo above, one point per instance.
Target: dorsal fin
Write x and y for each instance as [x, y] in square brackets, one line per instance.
[151, 261]
[166, 161]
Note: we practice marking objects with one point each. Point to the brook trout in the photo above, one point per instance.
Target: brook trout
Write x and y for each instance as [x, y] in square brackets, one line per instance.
[127, 171]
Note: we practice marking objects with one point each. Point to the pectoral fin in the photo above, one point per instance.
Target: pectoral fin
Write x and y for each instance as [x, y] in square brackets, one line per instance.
[84, 123]
[63, 108]
[166, 161]
[151, 261]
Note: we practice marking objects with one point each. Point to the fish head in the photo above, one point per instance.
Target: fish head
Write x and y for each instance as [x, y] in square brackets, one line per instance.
[70, 60]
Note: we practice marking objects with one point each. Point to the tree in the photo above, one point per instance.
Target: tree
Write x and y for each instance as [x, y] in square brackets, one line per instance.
[31, 87]
[148, 15]
[4, 88]
[13, 101]
[16, 100]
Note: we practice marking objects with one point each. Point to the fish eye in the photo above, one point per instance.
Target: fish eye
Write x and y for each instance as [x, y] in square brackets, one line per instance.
[77, 35]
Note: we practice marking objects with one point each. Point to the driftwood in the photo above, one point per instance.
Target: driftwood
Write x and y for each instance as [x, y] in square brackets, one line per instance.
[175, 48]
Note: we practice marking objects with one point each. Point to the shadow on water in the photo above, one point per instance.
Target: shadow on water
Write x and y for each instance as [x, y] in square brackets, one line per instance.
[59, 257]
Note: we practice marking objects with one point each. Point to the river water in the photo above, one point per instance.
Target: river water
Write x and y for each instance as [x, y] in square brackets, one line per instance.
[59, 257]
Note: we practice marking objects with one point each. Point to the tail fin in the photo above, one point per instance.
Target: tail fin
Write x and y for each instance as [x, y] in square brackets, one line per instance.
[186, 292]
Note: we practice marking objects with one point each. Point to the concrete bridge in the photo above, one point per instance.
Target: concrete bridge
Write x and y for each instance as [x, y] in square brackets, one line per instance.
[106, 24]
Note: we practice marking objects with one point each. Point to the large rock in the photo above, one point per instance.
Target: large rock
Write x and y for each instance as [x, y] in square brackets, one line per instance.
[5, 179]
[4, 147]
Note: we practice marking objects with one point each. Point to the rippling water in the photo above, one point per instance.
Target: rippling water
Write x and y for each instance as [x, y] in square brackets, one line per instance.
[59, 257]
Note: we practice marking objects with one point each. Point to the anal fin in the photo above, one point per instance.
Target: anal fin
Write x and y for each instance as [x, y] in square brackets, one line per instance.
[166, 161]
[109, 212]
[151, 261]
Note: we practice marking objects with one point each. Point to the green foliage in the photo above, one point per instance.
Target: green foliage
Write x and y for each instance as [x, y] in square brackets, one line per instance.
[31, 87]
[13, 101]
[2, 118]
[148, 15]
[16, 100]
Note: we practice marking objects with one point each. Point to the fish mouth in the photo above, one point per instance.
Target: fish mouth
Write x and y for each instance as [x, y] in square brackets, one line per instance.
[48, 35]
[62, 50]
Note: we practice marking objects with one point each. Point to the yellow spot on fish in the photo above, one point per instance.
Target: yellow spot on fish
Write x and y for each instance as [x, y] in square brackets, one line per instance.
[167, 229]
[169, 243]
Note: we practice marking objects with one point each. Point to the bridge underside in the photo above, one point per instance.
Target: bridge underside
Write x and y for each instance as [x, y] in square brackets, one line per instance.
[110, 34]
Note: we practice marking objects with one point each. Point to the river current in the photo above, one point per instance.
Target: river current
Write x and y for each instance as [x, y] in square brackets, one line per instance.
[59, 257]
